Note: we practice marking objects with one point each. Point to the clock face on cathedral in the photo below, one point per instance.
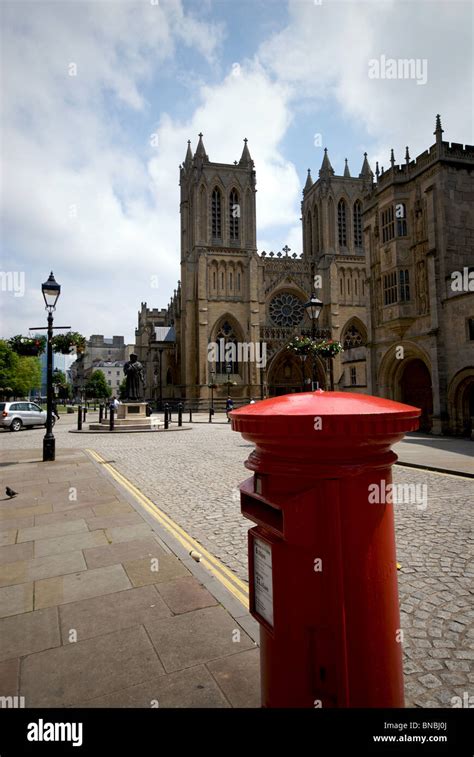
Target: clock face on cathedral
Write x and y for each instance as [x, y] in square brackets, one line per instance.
[286, 310]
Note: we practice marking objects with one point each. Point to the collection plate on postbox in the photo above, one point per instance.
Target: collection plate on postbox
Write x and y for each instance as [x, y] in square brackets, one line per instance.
[263, 579]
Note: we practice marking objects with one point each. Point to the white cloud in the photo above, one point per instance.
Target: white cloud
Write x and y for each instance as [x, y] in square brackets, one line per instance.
[328, 49]
[78, 197]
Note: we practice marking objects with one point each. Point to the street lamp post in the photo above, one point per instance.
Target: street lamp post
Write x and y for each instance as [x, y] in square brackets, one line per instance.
[160, 350]
[213, 373]
[313, 308]
[51, 291]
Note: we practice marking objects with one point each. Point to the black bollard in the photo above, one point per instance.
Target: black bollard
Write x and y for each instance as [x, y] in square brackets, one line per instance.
[211, 413]
[180, 414]
[101, 412]
[84, 415]
[106, 408]
[79, 418]
[166, 417]
[190, 415]
[112, 418]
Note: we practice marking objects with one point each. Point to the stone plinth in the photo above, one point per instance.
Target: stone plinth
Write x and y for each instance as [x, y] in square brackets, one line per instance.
[131, 411]
[130, 416]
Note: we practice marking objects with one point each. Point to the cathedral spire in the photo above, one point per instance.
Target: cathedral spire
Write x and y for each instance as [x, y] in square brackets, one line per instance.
[347, 173]
[245, 158]
[309, 182]
[366, 171]
[189, 155]
[438, 132]
[200, 150]
[326, 167]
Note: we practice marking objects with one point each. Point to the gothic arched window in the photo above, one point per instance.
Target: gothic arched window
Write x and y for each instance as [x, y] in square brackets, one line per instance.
[227, 356]
[353, 338]
[216, 214]
[309, 233]
[357, 223]
[203, 232]
[401, 216]
[342, 223]
[234, 215]
[316, 230]
[331, 223]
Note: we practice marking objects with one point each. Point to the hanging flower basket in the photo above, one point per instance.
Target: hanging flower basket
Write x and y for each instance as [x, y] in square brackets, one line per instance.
[329, 348]
[28, 346]
[304, 345]
[67, 343]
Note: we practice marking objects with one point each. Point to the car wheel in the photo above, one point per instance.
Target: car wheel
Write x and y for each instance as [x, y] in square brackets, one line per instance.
[16, 424]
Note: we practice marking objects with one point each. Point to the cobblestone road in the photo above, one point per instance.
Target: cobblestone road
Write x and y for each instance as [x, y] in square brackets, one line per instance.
[193, 476]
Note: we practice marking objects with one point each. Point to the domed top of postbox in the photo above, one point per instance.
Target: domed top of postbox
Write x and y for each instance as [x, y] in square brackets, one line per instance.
[346, 415]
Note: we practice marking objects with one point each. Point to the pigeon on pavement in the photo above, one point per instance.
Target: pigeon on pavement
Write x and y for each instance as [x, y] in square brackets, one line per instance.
[10, 492]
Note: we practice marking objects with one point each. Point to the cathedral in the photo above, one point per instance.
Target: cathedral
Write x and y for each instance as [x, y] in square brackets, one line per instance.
[389, 254]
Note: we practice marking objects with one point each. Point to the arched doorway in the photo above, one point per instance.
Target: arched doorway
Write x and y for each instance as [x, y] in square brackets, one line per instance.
[285, 374]
[461, 403]
[415, 388]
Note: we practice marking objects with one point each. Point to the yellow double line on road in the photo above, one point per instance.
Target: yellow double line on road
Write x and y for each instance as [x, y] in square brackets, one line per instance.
[235, 585]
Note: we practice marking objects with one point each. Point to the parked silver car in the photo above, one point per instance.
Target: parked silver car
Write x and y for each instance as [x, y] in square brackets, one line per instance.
[16, 415]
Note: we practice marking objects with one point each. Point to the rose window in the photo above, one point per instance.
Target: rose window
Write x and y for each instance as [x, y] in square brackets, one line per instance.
[286, 310]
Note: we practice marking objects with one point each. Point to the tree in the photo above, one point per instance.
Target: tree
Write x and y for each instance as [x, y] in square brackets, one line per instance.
[123, 389]
[61, 384]
[20, 374]
[27, 376]
[8, 364]
[96, 387]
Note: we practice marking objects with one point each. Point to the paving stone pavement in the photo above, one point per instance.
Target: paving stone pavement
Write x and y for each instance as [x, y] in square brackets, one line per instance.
[96, 610]
[194, 477]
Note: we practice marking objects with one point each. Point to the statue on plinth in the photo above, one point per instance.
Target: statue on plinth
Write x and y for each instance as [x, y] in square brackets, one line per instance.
[135, 379]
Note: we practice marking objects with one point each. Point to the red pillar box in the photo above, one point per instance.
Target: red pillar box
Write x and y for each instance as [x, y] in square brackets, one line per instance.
[322, 565]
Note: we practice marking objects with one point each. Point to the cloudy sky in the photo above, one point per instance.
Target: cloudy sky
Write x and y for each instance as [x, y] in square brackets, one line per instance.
[99, 99]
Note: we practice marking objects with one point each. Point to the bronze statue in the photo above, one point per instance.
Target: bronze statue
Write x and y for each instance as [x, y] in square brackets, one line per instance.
[135, 380]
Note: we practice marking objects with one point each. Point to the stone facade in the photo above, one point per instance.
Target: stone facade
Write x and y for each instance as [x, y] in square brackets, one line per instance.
[381, 252]
[419, 236]
[98, 349]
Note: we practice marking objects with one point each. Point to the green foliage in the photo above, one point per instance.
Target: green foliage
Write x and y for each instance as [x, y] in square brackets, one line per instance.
[26, 345]
[123, 389]
[59, 377]
[97, 387]
[305, 345]
[65, 343]
[18, 374]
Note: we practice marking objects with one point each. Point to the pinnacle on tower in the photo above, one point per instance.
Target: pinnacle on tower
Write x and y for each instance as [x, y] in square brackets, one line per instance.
[407, 155]
[392, 158]
[326, 167]
[200, 149]
[438, 132]
[309, 181]
[347, 173]
[366, 171]
[189, 155]
[245, 158]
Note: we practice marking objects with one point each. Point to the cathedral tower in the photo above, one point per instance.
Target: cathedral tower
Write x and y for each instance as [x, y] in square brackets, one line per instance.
[219, 268]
